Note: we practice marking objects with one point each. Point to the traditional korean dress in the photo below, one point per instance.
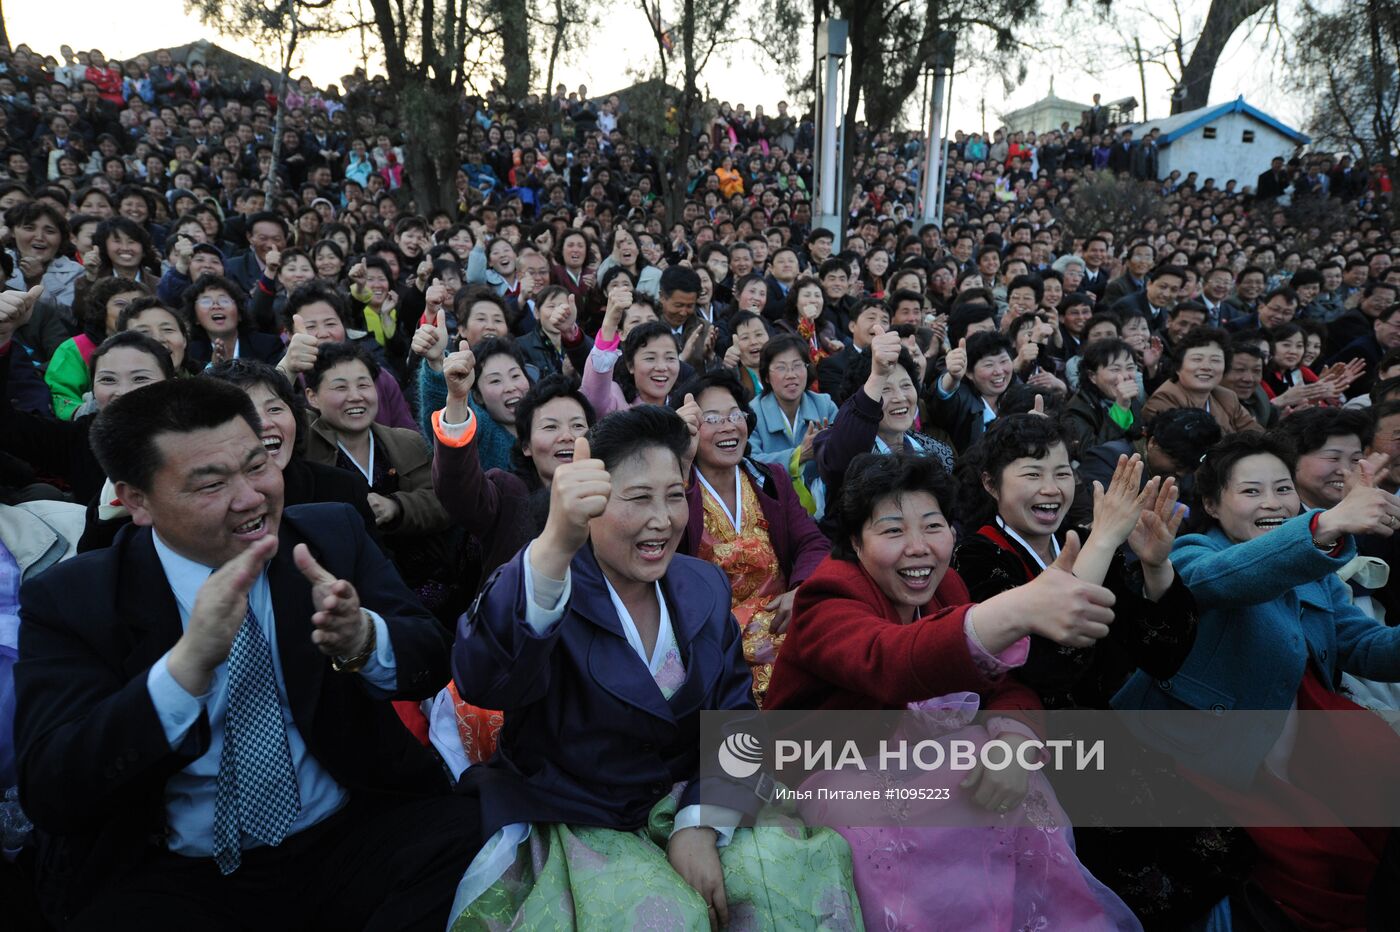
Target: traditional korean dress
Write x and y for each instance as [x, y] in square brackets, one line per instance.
[739, 544]
[565, 875]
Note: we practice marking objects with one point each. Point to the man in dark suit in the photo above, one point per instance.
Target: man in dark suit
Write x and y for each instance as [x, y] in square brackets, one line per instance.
[1164, 283]
[266, 231]
[1095, 119]
[203, 721]
[870, 319]
[1095, 254]
[1120, 157]
[1272, 183]
[1141, 257]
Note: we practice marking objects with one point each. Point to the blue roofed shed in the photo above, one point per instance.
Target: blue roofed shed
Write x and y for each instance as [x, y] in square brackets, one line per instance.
[1229, 140]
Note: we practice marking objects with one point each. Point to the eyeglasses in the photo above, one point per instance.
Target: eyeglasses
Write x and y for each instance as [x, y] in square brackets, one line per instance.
[786, 369]
[733, 417]
[215, 302]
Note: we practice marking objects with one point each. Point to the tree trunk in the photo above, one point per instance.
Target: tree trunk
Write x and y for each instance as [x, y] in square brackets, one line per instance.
[431, 153]
[1383, 117]
[1224, 18]
[274, 177]
[685, 115]
[512, 17]
[554, 47]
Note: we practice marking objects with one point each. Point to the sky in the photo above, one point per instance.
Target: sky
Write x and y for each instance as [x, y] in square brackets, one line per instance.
[1090, 64]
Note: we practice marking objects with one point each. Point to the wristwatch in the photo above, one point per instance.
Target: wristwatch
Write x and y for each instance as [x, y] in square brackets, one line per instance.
[356, 663]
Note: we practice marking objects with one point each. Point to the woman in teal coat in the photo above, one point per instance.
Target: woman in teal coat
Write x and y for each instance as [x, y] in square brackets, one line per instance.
[1277, 629]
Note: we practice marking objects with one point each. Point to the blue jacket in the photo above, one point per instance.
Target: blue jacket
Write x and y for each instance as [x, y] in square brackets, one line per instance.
[588, 738]
[1268, 607]
[769, 440]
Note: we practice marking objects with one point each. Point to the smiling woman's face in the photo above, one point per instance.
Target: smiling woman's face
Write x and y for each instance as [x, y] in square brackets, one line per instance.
[905, 546]
[1259, 496]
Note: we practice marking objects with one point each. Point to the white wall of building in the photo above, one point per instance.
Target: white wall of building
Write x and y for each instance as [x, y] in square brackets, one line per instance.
[1227, 155]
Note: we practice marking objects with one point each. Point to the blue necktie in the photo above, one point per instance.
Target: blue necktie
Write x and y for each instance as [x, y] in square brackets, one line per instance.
[257, 786]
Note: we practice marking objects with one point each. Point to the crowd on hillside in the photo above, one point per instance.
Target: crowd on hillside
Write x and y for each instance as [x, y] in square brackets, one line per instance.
[367, 566]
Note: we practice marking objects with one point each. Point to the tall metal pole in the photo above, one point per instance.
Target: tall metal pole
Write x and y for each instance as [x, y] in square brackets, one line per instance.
[943, 51]
[933, 162]
[831, 41]
[943, 188]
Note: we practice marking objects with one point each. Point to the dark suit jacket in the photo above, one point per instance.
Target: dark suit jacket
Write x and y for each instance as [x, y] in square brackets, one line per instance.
[244, 270]
[1137, 301]
[1351, 326]
[52, 448]
[93, 758]
[831, 372]
[1120, 157]
[1095, 282]
[1270, 185]
[588, 737]
[1118, 289]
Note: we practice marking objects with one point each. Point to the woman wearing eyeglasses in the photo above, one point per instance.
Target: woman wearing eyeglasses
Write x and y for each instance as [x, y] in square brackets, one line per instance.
[746, 518]
[213, 307]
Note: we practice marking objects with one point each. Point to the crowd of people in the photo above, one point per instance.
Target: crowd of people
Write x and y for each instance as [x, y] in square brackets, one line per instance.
[364, 566]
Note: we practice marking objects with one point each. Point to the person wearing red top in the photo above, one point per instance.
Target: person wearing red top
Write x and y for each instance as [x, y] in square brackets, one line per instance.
[107, 77]
[883, 623]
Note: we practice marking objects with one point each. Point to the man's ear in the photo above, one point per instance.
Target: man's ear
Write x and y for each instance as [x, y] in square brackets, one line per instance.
[136, 502]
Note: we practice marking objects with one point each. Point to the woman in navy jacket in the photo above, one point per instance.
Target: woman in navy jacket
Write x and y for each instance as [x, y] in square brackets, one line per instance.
[602, 646]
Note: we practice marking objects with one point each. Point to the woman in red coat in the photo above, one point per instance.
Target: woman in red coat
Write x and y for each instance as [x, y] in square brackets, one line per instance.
[885, 624]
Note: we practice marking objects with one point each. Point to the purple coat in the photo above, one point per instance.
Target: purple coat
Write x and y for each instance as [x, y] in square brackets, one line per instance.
[492, 505]
[800, 546]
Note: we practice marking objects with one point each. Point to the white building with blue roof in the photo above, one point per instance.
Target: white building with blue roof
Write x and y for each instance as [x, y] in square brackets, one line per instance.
[1229, 140]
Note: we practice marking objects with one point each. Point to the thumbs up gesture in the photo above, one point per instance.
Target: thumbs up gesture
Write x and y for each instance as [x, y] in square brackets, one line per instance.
[430, 340]
[884, 352]
[956, 362]
[342, 629]
[1076, 613]
[92, 263]
[562, 317]
[459, 369]
[690, 413]
[1366, 508]
[1056, 605]
[435, 295]
[578, 494]
[302, 350]
[16, 307]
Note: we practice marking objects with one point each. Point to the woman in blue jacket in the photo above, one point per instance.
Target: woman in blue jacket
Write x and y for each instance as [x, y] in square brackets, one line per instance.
[788, 414]
[1277, 629]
